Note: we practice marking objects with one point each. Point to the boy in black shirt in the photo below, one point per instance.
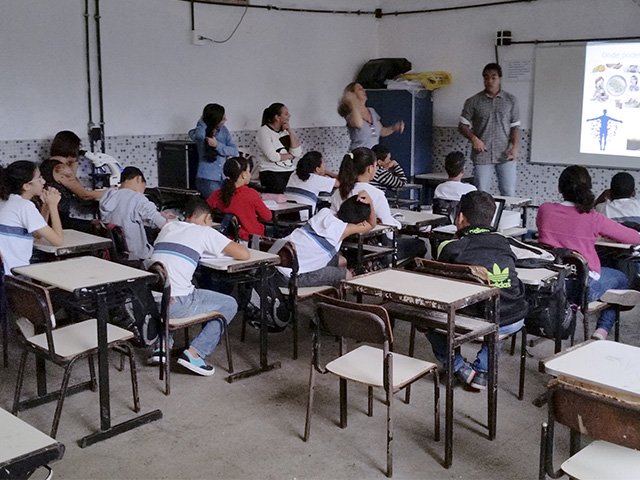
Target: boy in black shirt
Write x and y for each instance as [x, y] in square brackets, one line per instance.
[478, 244]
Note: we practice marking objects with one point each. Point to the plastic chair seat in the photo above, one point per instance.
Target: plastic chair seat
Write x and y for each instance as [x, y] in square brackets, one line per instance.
[183, 322]
[365, 365]
[602, 459]
[79, 338]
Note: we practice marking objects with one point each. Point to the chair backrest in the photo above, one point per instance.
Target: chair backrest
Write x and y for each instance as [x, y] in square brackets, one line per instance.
[119, 251]
[355, 321]
[597, 415]
[469, 273]
[287, 251]
[497, 216]
[229, 224]
[577, 279]
[446, 207]
[32, 302]
[162, 285]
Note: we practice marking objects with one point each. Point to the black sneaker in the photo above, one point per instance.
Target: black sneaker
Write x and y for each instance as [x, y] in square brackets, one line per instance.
[479, 381]
[270, 328]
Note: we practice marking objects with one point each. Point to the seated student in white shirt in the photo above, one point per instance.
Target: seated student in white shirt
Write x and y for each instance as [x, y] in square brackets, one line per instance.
[356, 172]
[453, 189]
[20, 220]
[179, 247]
[619, 203]
[310, 178]
[318, 242]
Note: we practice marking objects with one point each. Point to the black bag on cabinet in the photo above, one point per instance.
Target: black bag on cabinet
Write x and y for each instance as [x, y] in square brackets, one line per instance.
[376, 71]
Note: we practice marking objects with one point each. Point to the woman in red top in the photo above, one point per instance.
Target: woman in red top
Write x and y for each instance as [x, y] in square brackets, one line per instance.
[237, 198]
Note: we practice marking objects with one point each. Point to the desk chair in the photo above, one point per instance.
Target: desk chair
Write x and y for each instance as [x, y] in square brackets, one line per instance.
[446, 207]
[293, 293]
[367, 365]
[612, 422]
[229, 224]
[119, 251]
[170, 324]
[469, 273]
[63, 346]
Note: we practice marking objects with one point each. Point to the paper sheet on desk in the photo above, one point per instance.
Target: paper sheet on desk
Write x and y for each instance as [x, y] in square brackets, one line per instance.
[446, 229]
[214, 259]
[271, 204]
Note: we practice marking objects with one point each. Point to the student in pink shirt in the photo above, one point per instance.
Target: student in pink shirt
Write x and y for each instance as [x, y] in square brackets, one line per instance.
[574, 224]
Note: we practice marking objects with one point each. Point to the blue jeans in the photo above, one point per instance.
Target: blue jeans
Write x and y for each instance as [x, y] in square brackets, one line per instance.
[609, 278]
[481, 364]
[206, 187]
[507, 177]
[202, 301]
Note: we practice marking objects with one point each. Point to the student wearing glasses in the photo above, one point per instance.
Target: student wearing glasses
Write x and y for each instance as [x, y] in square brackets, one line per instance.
[20, 220]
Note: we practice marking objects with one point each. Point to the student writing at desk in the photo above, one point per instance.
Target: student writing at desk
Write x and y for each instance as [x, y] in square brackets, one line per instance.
[128, 207]
[20, 220]
[179, 247]
[574, 224]
[478, 244]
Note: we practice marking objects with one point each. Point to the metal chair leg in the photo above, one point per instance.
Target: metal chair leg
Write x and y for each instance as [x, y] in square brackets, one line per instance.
[19, 382]
[617, 325]
[370, 401]
[61, 395]
[294, 321]
[92, 373]
[307, 422]
[227, 345]
[523, 360]
[343, 403]
[412, 346]
[436, 405]
[389, 402]
[134, 378]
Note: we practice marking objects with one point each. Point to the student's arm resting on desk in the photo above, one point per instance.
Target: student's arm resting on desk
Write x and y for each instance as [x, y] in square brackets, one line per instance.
[614, 230]
[150, 214]
[237, 251]
[263, 212]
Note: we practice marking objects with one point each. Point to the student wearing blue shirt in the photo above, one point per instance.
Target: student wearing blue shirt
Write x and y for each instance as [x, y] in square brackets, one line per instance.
[214, 144]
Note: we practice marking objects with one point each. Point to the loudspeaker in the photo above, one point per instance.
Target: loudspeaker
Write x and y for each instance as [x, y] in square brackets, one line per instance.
[177, 164]
[503, 38]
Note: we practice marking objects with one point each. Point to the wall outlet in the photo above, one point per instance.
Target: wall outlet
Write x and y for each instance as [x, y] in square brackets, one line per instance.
[197, 38]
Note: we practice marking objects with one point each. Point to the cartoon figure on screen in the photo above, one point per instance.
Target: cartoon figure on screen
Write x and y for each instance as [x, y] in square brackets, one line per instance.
[600, 93]
[604, 127]
[633, 84]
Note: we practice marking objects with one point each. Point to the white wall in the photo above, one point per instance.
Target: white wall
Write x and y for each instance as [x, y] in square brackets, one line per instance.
[156, 82]
[462, 42]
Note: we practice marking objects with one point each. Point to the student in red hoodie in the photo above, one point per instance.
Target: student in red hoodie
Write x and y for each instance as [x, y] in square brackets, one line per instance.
[238, 198]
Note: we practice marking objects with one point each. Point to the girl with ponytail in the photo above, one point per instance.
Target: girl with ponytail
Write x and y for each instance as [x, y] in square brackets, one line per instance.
[238, 198]
[309, 179]
[20, 220]
[356, 171]
[574, 224]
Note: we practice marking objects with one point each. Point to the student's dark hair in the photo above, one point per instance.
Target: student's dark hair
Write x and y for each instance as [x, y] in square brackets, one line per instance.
[622, 185]
[65, 144]
[232, 169]
[14, 176]
[343, 108]
[271, 112]
[308, 164]
[129, 173]
[492, 67]
[478, 208]
[454, 163]
[353, 211]
[354, 164]
[212, 115]
[575, 186]
[196, 206]
[381, 151]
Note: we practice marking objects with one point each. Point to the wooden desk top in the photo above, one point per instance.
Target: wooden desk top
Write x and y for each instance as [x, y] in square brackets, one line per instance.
[423, 290]
[535, 276]
[412, 218]
[18, 438]
[605, 242]
[73, 241]
[514, 201]
[231, 265]
[612, 365]
[79, 272]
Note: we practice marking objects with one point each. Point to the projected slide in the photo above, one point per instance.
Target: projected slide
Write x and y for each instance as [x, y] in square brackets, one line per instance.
[611, 100]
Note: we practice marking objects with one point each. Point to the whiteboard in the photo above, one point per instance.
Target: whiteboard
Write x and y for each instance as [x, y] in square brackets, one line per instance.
[557, 110]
